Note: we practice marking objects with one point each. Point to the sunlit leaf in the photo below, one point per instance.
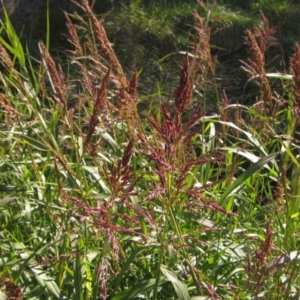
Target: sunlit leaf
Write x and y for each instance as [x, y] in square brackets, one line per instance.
[179, 287]
[238, 183]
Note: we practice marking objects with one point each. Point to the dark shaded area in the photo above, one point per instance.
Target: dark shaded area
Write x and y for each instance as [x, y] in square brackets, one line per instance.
[29, 19]
[145, 33]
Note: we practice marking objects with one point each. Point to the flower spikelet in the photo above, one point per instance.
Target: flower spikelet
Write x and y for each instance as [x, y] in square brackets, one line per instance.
[183, 93]
[100, 103]
[132, 89]
[55, 77]
[295, 70]
[255, 67]
[105, 46]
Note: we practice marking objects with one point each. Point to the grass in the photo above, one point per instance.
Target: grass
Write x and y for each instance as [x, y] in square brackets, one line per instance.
[99, 201]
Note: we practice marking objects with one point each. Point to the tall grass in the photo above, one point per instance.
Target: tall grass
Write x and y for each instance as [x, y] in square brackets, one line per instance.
[99, 201]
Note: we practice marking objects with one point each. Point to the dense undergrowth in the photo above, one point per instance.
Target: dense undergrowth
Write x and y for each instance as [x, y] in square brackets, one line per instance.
[100, 199]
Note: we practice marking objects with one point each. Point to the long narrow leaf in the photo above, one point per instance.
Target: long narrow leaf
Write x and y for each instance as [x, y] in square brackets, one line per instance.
[7, 200]
[139, 288]
[241, 179]
[179, 287]
[129, 261]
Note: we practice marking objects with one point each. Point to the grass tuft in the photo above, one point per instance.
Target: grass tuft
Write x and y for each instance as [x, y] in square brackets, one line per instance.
[100, 199]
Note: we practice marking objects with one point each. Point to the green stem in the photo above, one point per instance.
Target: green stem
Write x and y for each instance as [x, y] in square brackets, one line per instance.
[181, 240]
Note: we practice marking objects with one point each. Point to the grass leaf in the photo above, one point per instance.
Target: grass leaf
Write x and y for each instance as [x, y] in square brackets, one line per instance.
[179, 287]
[238, 182]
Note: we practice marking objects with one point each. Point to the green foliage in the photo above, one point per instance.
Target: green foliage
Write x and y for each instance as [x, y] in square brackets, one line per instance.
[275, 6]
[102, 200]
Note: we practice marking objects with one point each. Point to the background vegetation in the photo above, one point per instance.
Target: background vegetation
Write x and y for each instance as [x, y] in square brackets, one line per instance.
[158, 30]
[155, 157]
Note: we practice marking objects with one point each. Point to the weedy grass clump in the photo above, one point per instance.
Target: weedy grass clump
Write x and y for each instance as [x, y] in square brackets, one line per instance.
[101, 201]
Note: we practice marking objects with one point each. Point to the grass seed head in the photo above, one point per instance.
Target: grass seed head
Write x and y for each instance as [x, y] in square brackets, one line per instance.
[258, 43]
[183, 93]
[73, 37]
[100, 106]
[55, 76]
[295, 70]
[105, 45]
